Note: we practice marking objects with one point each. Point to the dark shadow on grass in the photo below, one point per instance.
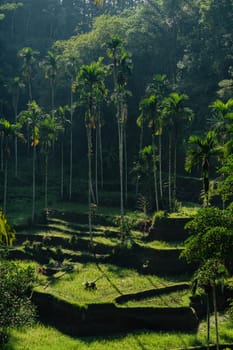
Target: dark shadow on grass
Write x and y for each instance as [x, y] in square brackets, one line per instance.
[108, 279]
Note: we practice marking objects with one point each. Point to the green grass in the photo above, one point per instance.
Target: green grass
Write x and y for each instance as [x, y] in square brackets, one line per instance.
[185, 210]
[113, 282]
[41, 337]
[176, 299]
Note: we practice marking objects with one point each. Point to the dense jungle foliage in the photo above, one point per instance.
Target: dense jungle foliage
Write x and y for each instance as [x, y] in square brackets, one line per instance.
[139, 76]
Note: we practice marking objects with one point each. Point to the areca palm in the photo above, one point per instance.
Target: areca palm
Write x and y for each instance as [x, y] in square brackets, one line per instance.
[60, 115]
[175, 113]
[50, 128]
[8, 131]
[121, 69]
[16, 87]
[28, 55]
[222, 113]
[199, 154]
[32, 118]
[72, 70]
[148, 107]
[91, 86]
[50, 66]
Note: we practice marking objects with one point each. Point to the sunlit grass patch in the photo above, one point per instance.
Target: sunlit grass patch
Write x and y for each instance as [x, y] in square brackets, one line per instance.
[175, 299]
[111, 282]
[41, 337]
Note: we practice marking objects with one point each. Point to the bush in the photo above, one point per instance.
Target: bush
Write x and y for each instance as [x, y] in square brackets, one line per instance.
[16, 308]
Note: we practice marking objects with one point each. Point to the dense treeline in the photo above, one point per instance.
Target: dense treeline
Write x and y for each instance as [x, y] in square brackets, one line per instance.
[171, 61]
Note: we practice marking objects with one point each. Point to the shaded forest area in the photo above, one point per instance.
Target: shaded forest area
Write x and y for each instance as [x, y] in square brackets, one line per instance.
[165, 64]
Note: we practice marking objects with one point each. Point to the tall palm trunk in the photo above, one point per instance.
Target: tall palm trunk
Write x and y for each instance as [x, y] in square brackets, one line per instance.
[208, 321]
[120, 140]
[5, 185]
[33, 183]
[89, 145]
[62, 170]
[160, 167]
[71, 145]
[126, 167]
[96, 167]
[15, 105]
[100, 151]
[140, 148]
[169, 171]
[174, 175]
[155, 174]
[2, 152]
[215, 316]
[46, 180]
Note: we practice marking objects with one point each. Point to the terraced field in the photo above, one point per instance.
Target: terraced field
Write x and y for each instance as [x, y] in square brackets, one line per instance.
[141, 274]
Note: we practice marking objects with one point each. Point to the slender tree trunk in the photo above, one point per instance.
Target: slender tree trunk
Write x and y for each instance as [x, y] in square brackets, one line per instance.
[71, 145]
[215, 316]
[160, 167]
[96, 167]
[120, 136]
[208, 321]
[2, 152]
[30, 89]
[46, 180]
[15, 105]
[126, 167]
[62, 170]
[101, 153]
[140, 148]
[169, 172]
[33, 183]
[89, 144]
[174, 176]
[16, 156]
[155, 175]
[5, 185]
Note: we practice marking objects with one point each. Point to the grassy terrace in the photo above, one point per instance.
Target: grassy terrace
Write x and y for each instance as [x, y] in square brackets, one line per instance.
[41, 337]
[112, 282]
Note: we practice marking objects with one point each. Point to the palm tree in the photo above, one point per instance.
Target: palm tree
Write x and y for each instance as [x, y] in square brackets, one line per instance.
[60, 115]
[16, 86]
[148, 107]
[206, 278]
[121, 69]
[50, 128]
[222, 122]
[199, 154]
[159, 88]
[71, 67]
[28, 56]
[32, 118]
[50, 66]
[91, 86]
[175, 113]
[8, 131]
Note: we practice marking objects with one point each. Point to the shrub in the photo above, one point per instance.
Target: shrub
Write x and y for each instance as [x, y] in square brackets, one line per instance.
[16, 308]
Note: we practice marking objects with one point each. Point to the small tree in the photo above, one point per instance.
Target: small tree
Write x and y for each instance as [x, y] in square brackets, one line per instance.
[15, 283]
[206, 278]
[16, 308]
[199, 154]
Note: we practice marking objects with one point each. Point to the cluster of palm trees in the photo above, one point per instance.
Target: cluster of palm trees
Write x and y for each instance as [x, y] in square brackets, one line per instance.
[215, 144]
[161, 111]
[166, 115]
[88, 91]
